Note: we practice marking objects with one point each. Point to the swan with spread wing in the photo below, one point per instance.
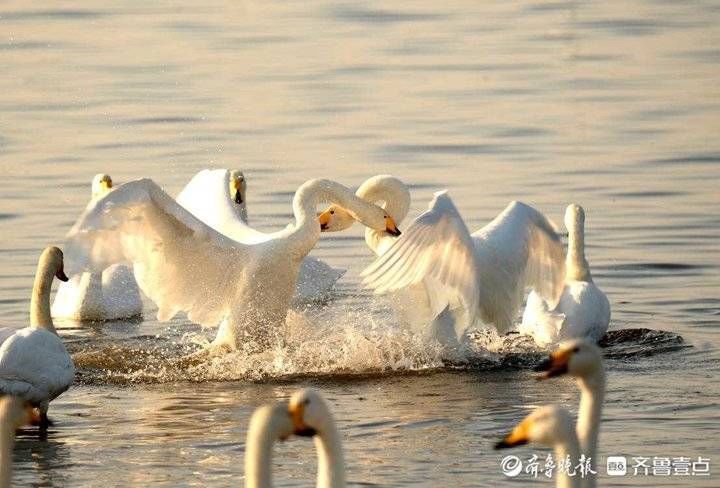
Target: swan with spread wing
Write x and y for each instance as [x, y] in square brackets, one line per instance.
[482, 275]
[219, 198]
[183, 264]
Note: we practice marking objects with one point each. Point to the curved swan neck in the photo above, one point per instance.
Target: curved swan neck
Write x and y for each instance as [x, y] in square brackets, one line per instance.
[567, 448]
[306, 231]
[267, 425]
[395, 198]
[577, 267]
[331, 462]
[592, 395]
[40, 301]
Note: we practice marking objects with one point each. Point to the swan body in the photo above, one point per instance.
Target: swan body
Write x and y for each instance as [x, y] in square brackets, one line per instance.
[106, 295]
[483, 274]
[549, 426]
[206, 196]
[583, 360]
[183, 264]
[583, 309]
[34, 364]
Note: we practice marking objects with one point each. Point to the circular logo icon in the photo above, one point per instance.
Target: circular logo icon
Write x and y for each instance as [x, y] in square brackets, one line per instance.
[511, 466]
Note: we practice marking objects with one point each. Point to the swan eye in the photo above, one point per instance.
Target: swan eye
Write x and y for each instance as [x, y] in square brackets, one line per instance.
[332, 212]
[576, 349]
[306, 402]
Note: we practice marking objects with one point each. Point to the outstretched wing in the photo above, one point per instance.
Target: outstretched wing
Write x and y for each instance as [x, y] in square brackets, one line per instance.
[207, 197]
[437, 249]
[518, 249]
[179, 262]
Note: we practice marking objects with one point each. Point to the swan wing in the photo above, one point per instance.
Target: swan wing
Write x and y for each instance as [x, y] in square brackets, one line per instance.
[207, 197]
[516, 250]
[179, 262]
[35, 365]
[436, 249]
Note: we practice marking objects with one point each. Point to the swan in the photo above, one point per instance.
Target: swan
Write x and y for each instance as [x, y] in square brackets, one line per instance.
[183, 264]
[307, 415]
[583, 360]
[219, 198]
[583, 309]
[484, 274]
[34, 363]
[550, 426]
[107, 295]
[14, 413]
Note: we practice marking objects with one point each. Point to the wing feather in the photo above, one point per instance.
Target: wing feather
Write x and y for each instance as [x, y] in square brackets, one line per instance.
[180, 263]
[437, 248]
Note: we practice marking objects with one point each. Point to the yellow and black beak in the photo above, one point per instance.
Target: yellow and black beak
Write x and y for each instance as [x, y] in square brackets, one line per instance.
[106, 183]
[555, 365]
[297, 412]
[391, 228]
[237, 188]
[517, 437]
[324, 219]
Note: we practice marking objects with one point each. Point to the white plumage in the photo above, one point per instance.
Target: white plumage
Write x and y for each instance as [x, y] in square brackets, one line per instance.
[583, 310]
[104, 295]
[183, 264]
[223, 206]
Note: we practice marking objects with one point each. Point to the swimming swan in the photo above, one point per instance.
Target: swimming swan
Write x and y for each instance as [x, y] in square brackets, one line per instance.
[219, 198]
[306, 415]
[14, 413]
[583, 309]
[34, 364]
[183, 264]
[485, 273]
[107, 295]
[582, 360]
[549, 426]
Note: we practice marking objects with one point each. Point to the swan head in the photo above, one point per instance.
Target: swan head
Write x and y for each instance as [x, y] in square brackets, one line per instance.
[578, 357]
[101, 184]
[271, 421]
[574, 217]
[51, 260]
[238, 187]
[335, 218]
[546, 426]
[16, 412]
[310, 413]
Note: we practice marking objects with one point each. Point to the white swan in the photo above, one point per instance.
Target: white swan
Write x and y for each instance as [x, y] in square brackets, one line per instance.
[268, 424]
[182, 264]
[583, 309]
[219, 198]
[107, 295]
[14, 413]
[484, 274]
[307, 415]
[549, 426]
[34, 363]
[583, 360]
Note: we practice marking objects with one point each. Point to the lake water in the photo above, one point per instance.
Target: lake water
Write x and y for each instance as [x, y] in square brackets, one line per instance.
[613, 106]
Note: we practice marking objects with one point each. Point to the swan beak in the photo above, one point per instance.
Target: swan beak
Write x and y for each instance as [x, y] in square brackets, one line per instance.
[237, 186]
[324, 219]
[517, 437]
[61, 275]
[106, 183]
[391, 228]
[555, 365]
[296, 414]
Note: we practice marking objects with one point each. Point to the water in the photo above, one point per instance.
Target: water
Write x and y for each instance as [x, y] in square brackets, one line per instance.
[614, 107]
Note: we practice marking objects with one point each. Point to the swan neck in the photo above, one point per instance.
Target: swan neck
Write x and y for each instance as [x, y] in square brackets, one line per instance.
[306, 231]
[567, 448]
[592, 395]
[576, 265]
[7, 441]
[393, 196]
[331, 463]
[261, 438]
[40, 317]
